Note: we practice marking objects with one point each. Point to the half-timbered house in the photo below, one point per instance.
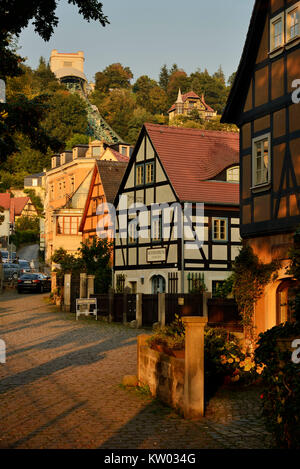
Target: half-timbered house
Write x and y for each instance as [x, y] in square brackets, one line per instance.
[264, 103]
[105, 182]
[190, 168]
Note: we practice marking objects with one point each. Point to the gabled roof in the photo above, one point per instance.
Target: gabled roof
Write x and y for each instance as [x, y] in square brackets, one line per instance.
[111, 174]
[191, 158]
[193, 95]
[240, 87]
[19, 204]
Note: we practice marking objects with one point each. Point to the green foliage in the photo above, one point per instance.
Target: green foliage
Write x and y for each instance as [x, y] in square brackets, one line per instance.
[281, 384]
[294, 270]
[77, 139]
[28, 236]
[67, 116]
[171, 336]
[225, 289]
[224, 360]
[92, 258]
[36, 200]
[95, 257]
[26, 223]
[113, 76]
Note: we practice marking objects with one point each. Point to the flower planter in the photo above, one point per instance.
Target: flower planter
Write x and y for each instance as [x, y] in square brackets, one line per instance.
[162, 348]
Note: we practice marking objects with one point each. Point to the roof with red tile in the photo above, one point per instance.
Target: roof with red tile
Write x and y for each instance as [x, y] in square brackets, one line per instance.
[192, 94]
[19, 204]
[5, 200]
[119, 156]
[193, 157]
[15, 205]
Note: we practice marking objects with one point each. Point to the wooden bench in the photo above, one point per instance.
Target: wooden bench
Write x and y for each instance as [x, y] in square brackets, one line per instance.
[83, 306]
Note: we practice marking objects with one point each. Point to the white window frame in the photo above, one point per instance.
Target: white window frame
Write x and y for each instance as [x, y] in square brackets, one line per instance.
[273, 21]
[288, 12]
[254, 158]
[219, 239]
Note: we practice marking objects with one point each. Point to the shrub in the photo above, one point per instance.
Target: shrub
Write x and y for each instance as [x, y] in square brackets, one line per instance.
[281, 377]
[224, 360]
[281, 385]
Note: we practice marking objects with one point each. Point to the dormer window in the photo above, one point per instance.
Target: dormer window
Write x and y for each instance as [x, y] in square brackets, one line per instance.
[124, 151]
[96, 151]
[233, 174]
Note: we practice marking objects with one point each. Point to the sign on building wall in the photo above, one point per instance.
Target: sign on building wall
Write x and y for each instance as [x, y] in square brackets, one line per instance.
[156, 255]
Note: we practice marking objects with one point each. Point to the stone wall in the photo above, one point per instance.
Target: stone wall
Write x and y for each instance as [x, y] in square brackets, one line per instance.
[162, 373]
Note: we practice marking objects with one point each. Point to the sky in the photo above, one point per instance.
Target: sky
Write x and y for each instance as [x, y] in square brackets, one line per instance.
[146, 34]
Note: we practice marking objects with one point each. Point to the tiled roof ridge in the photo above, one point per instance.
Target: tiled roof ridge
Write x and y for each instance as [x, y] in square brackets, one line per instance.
[189, 129]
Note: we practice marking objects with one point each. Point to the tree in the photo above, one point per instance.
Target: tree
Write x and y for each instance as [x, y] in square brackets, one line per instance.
[178, 79]
[45, 79]
[142, 88]
[231, 79]
[67, 115]
[113, 76]
[26, 223]
[158, 101]
[96, 255]
[15, 15]
[117, 109]
[77, 139]
[164, 77]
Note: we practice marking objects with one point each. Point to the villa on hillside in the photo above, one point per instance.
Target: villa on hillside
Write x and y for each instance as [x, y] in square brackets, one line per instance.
[188, 102]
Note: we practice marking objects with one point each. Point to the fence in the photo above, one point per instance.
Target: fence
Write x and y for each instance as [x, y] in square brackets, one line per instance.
[147, 309]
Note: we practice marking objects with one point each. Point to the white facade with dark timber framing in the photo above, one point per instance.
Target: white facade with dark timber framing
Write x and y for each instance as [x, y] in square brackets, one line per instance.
[178, 166]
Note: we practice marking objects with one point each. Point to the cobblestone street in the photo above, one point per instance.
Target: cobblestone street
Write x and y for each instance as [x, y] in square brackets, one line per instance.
[60, 388]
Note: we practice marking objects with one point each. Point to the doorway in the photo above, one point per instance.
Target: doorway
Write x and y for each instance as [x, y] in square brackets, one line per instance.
[158, 284]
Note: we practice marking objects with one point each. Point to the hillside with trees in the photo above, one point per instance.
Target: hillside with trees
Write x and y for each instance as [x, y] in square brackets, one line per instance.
[59, 117]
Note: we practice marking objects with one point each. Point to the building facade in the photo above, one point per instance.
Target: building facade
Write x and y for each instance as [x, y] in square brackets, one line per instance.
[188, 102]
[172, 169]
[263, 104]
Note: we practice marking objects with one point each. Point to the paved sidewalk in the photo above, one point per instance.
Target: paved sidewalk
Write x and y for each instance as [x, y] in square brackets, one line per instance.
[60, 388]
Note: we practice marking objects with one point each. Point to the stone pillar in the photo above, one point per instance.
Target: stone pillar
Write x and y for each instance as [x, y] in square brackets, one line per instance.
[83, 281]
[194, 366]
[67, 292]
[110, 304]
[90, 285]
[162, 309]
[138, 310]
[53, 281]
[206, 296]
[125, 304]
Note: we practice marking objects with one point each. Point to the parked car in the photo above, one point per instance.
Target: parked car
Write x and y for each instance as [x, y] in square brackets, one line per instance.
[24, 266]
[8, 256]
[4, 255]
[36, 282]
[10, 271]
